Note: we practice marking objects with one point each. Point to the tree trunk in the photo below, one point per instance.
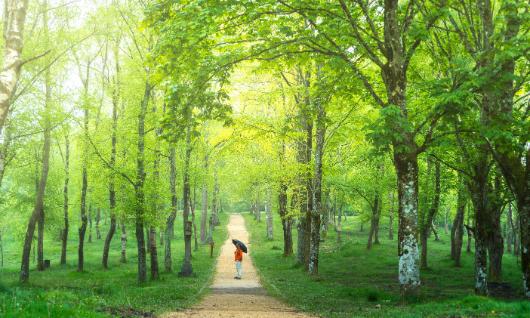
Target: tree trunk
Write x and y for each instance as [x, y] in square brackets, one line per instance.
[123, 238]
[509, 228]
[257, 209]
[497, 107]
[268, 213]
[523, 207]
[98, 219]
[38, 211]
[304, 147]
[427, 220]
[47, 142]
[139, 187]
[457, 231]
[479, 188]
[435, 231]
[468, 245]
[305, 204]
[317, 209]
[84, 174]
[90, 209]
[286, 220]
[326, 214]
[187, 269]
[1, 250]
[194, 224]
[14, 19]
[446, 221]
[496, 243]
[407, 172]
[282, 207]
[174, 202]
[374, 220]
[40, 242]
[82, 229]
[309, 194]
[339, 225]
[153, 253]
[486, 202]
[112, 163]
[147, 250]
[204, 205]
[215, 197]
[391, 217]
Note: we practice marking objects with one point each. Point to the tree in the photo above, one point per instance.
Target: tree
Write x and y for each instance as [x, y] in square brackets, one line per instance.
[38, 212]
[317, 206]
[112, 162]
[457, 230]
[15, 17]
[64, 236]
[428, 216]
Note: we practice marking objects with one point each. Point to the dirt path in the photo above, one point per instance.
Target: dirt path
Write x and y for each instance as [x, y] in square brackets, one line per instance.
[237, 298]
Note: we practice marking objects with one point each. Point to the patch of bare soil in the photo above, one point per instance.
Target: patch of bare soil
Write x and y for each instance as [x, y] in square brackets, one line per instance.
[244, 298]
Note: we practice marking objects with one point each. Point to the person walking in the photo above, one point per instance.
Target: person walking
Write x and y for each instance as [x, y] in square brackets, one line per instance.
[238, 256]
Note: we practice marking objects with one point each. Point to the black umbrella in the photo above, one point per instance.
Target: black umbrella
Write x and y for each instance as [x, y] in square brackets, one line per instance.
[240, 244]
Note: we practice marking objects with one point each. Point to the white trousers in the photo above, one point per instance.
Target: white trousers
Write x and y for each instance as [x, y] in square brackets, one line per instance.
[239, 269]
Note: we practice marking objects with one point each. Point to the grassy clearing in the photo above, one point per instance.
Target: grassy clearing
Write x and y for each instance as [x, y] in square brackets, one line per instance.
[63, 292]
[355, 282]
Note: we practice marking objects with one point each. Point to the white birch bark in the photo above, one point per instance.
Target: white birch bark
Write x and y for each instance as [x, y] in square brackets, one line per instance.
[15, 16]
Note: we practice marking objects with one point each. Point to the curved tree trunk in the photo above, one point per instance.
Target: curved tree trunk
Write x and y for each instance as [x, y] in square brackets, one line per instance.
[112, 183]
[38, 211]
[84, 174]
[112, 179]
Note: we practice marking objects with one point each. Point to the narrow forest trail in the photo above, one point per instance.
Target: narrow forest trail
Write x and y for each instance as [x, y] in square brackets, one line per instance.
[237, 298]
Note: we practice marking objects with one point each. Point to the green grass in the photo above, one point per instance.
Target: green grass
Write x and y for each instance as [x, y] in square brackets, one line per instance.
[63, 292]
[355, 282]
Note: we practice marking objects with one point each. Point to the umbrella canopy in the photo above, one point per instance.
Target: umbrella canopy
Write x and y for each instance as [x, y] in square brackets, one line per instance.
[240, 244]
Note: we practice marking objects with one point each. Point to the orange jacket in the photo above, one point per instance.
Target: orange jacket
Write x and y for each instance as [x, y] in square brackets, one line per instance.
[238, 255]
